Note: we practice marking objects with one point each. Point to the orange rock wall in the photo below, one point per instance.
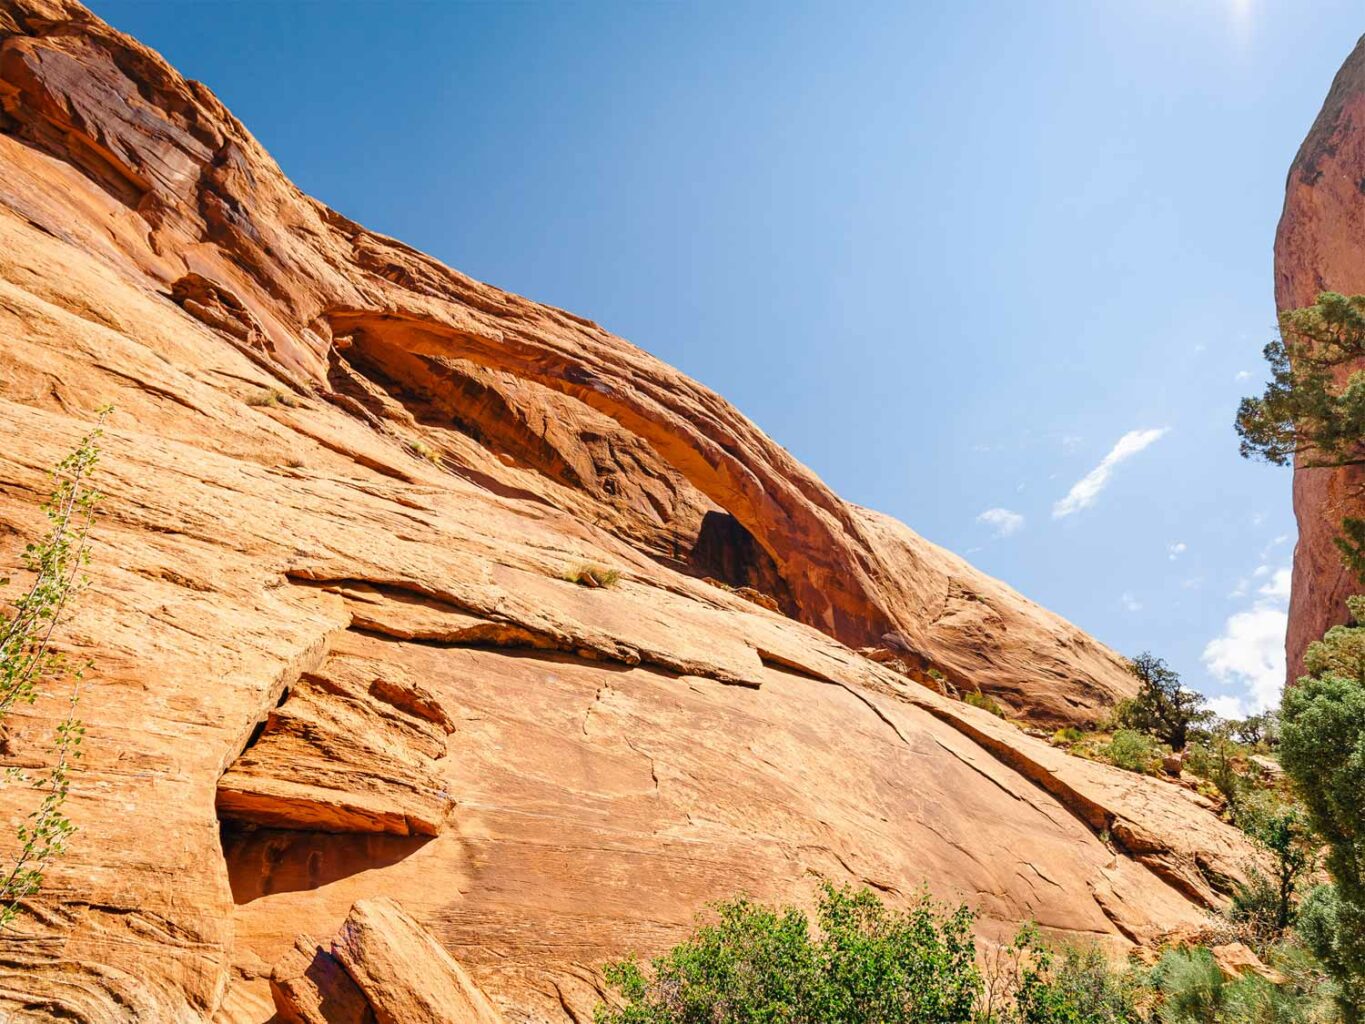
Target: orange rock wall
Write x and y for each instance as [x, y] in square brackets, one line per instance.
[337, 658]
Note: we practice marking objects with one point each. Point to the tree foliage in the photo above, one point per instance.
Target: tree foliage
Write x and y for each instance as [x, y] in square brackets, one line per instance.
[1322, 748]
[758, 964]
[865, 964]
[1313, 408]
[55, 565]
[1163, 707]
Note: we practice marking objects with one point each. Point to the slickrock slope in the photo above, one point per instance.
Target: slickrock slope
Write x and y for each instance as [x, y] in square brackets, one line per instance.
[344, 486]
[1320, 246]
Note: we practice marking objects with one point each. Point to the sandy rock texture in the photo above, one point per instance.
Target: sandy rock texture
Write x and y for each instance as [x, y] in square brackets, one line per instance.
[1320, 246]
[341, 659]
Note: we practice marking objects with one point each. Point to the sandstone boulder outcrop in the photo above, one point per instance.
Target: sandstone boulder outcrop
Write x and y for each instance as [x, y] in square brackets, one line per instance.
[337, 658]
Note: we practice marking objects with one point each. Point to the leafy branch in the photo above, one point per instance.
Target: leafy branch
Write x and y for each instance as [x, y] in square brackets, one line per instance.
[56, 563]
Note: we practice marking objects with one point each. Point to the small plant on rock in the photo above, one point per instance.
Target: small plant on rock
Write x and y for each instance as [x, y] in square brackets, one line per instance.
[593, 577]
[424, 451]
[977, 699]
[269, 397]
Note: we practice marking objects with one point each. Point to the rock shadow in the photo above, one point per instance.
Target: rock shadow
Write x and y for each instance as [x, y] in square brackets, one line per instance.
[265, 861]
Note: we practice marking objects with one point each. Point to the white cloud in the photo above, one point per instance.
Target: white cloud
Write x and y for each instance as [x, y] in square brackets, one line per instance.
[1278, 587]
[1130, 603]
[1243, 375]
[1250, 654]
[1002, 521]
[1227, 707]
[1084, 492]
[1177, 549]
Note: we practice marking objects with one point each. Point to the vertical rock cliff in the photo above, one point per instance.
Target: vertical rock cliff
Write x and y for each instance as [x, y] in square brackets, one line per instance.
[1320, 246]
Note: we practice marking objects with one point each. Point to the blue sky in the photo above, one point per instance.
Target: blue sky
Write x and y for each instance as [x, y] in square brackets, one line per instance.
[999, 269]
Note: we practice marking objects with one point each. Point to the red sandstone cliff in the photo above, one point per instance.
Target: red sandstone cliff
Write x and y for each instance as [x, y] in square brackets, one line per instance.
[336, 660]
[1320, 246]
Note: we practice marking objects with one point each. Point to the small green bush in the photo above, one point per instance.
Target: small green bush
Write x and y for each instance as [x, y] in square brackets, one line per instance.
[424, 451]
[1067, 736]
[1134, 751]
[977, 699]
[1076, 985]
[1191, 986]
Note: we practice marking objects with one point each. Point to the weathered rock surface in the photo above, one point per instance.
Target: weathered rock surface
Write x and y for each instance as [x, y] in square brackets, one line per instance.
[309, 986]
[347, 750]
[403, 972]
[342, 474]
[1320, 246]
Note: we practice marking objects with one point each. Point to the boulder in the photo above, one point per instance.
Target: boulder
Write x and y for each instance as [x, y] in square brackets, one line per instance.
[404, 973]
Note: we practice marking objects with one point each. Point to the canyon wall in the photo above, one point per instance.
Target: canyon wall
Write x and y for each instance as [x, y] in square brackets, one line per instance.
[349, 708]
[1320, 246]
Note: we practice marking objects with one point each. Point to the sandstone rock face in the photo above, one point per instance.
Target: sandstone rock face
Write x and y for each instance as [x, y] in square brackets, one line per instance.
[1320, 246]
[337, 659]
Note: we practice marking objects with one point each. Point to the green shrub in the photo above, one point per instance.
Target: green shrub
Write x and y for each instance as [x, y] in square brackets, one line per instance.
[424, 451]
[1134, 751]
[1076, 985]
[1322, 748]
[977, 699]
[866, 965]
[1067, 736]
[1191, 986]
[1256, 905]
[55, 565]
[1213, 757]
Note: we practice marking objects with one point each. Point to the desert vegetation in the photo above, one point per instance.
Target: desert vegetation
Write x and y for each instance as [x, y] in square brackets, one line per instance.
[593, 576]
[30, 667]
[1313, 408]
[863, 963]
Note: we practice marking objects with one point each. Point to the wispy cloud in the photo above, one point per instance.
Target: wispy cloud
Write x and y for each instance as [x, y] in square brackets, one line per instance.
[1130, 603]
[1177, 549]
[1084, 492]
[1002, 521]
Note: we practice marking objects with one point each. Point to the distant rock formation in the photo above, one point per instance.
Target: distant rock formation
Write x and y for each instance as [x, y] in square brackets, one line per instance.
[1320, 246]
[341, 656]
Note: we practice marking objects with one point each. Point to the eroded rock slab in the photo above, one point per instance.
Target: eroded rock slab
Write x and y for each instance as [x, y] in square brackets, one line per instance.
[347, 750]
[404, 973]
